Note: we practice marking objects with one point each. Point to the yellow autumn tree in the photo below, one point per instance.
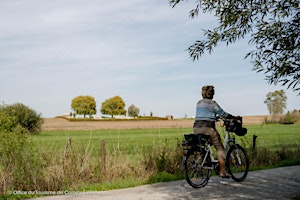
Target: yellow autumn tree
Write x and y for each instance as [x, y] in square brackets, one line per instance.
[113, 106]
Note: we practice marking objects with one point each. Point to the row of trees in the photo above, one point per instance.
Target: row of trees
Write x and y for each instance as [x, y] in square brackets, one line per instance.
[86, 105]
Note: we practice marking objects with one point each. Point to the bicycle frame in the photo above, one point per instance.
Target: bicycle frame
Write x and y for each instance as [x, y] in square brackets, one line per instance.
[227, 141]
[209, 151]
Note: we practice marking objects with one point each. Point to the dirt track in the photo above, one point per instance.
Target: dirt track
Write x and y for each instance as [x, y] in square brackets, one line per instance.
[64, 124]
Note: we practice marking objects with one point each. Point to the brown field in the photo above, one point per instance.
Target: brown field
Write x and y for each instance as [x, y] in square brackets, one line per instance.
[64, 124]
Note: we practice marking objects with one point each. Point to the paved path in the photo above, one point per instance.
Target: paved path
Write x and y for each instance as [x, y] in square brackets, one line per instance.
[280, 183]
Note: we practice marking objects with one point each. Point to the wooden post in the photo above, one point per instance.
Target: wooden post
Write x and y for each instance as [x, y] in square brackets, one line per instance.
[254, 146]
[102, 162]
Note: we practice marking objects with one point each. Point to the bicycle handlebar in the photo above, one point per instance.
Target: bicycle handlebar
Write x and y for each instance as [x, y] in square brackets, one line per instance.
[235, 125]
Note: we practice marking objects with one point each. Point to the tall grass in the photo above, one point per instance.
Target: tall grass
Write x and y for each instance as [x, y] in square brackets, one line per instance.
[75, 160]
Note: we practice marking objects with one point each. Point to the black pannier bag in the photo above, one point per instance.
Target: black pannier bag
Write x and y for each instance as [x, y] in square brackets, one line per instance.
[195, 139]
[192, 139]
[236, 126]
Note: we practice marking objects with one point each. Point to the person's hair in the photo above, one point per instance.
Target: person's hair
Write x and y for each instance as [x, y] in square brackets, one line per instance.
[208, 92]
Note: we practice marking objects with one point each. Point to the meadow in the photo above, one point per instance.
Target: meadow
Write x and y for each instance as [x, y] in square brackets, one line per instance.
[144, 154]
[119, 158]
[130, 141]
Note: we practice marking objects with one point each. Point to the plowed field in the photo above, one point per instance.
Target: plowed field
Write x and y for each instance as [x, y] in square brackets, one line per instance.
[64, 124]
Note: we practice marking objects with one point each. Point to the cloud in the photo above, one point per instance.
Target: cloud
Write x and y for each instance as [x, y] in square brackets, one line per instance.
[52, 51]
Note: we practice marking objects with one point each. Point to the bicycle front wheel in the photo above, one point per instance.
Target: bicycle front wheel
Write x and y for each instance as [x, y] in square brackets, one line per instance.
[237, 163]
[197, 172]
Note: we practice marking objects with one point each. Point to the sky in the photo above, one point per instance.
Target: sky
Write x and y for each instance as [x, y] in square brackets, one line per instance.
[53, 51]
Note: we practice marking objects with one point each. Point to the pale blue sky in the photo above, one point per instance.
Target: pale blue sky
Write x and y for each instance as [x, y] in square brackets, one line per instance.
[53, 51]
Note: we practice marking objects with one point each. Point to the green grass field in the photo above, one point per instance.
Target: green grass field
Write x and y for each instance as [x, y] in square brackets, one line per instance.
[127, 141]
[133, 146]
[269, 136]
[273, 136]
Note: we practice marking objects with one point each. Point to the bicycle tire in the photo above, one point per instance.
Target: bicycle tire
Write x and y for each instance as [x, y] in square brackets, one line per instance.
[237, 163]
[195, 175]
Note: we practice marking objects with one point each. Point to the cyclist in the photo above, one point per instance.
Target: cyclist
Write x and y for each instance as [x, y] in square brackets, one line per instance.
[206, 112]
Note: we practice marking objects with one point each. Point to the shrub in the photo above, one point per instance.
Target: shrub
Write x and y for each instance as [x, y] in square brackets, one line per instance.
[24, 116]
[290, 117]
[7, 123]
[20, 168]
[287, 119]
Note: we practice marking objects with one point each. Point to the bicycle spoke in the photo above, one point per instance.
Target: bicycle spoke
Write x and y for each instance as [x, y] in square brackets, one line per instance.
[197, 175]
[237, 163]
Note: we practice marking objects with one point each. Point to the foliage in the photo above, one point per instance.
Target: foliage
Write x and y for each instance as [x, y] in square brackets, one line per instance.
[133, 111]
[23, 115]
[273, 27]
[113, 106]
[290, 117]
[84, 105]
[20, 168]
[276, 102]
[263, 157]
[7, 123]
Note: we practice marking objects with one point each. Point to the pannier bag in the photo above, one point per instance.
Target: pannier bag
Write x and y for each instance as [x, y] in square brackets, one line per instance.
[236, 126]
[195, 139]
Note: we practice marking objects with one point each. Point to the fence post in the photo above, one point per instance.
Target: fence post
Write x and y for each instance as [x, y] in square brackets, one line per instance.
[254, 146]
[102, 163]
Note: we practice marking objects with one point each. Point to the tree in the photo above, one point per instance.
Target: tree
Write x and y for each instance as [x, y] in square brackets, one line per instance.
[84, 105]
[133, 111]
[19, 114]
[113, 106]
[273, 27]
[276, 102]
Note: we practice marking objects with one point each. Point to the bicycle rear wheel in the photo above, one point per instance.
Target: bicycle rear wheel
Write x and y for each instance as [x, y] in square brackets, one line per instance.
[197, 173]
[237, 163]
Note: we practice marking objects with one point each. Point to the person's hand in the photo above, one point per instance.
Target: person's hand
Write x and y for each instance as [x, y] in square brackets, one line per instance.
[238, 119]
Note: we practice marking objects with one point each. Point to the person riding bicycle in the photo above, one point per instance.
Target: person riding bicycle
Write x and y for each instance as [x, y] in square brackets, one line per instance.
[207, 111]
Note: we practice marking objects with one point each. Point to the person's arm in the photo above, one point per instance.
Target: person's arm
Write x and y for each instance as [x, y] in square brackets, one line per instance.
[222, 113]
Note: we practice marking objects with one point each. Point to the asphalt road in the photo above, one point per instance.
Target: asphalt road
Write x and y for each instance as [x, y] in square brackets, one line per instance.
[280, 183]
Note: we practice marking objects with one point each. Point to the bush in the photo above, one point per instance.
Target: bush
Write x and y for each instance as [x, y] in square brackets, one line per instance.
[7, 123]
[290, 117]
[20, 168]
[25, 116]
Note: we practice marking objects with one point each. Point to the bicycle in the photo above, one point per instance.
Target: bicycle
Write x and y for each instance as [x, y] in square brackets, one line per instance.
[198, 160]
